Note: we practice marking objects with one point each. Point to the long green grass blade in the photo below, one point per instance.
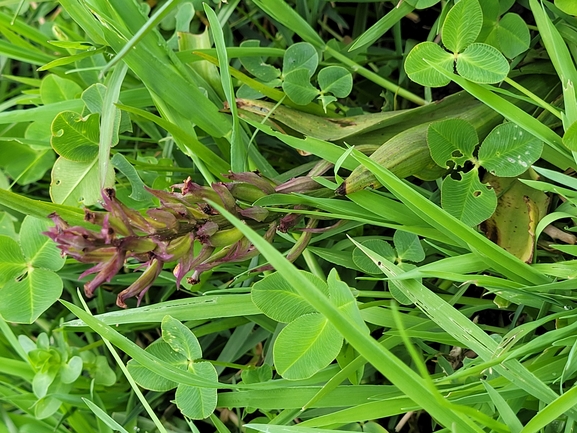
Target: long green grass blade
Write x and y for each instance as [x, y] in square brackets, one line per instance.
[388, 364]
[238, 153]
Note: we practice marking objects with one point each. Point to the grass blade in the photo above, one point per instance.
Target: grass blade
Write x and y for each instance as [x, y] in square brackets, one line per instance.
[388, 364]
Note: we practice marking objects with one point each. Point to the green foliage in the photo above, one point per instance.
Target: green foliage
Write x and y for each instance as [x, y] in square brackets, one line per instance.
[29, 284]
[477, 62]
[507, 151]
[180, 348]
[288, 281]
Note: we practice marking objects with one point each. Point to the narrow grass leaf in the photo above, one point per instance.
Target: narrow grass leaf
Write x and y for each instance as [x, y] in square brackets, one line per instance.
[389, 365]
[560, 57]
[551, 412]
[505, 411]
[382, 26]
[107, 419]
[151, 362]
[288, 17]
[109, 124]
[498, 258]
[188, 144]
[238, 152]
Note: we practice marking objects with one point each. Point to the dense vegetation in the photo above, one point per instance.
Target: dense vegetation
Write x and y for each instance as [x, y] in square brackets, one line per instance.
[288, 216]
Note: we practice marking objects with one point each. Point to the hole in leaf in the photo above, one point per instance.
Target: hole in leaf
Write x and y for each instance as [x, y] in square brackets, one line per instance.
[58, 182]
[476, 193]
[457, 154]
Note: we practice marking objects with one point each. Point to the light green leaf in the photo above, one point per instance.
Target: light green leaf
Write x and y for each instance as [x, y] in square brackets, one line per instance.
[462, 25]
[12, 261]
[418, 64]
[567, 6]
[301, 55]
[326, 100]
[25, 300]
[422, 4]
[75, 137]
[195, 402]
[306, 346]
[336, 80]
[451, 140]
[468, 199]
[277, 298]
[57, 89]
[342, 297]
[570, 137]
[180, 338]
[256, 65]
[298, 88]
[71, 371]
[23, 163]
[381, 247]
[107, 419]
[39, 250]
[147, 378]
[408, 247]
[7, 225]
[139, 193]
[509, 151]
[510, 35]
[483, 64]
[77, 183]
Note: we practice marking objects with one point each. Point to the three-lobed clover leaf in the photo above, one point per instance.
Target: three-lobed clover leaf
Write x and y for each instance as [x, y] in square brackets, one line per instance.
[309, 342]
[180, 348]
[477, 62]
[28, 282]
[507, 151]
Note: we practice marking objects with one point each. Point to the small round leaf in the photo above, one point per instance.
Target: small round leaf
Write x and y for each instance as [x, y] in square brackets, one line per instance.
[147, 378]
[380, 247]
[25, 300]
[298, 87]
[40, 251]
[276, 297]
[336, 80]
[301, 55]
[180, 338]
[193, 401]
[451, 140]
[408, 247]
[306, 346]
[483, 64]
[468, 199]
[510, 35]
[462, 25]
[509, 151]
[567, 6]
[77, 183]
[75, 137]
[418, 64]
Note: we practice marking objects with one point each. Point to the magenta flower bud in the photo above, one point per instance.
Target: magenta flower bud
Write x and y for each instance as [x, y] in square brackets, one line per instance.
[104, 272]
